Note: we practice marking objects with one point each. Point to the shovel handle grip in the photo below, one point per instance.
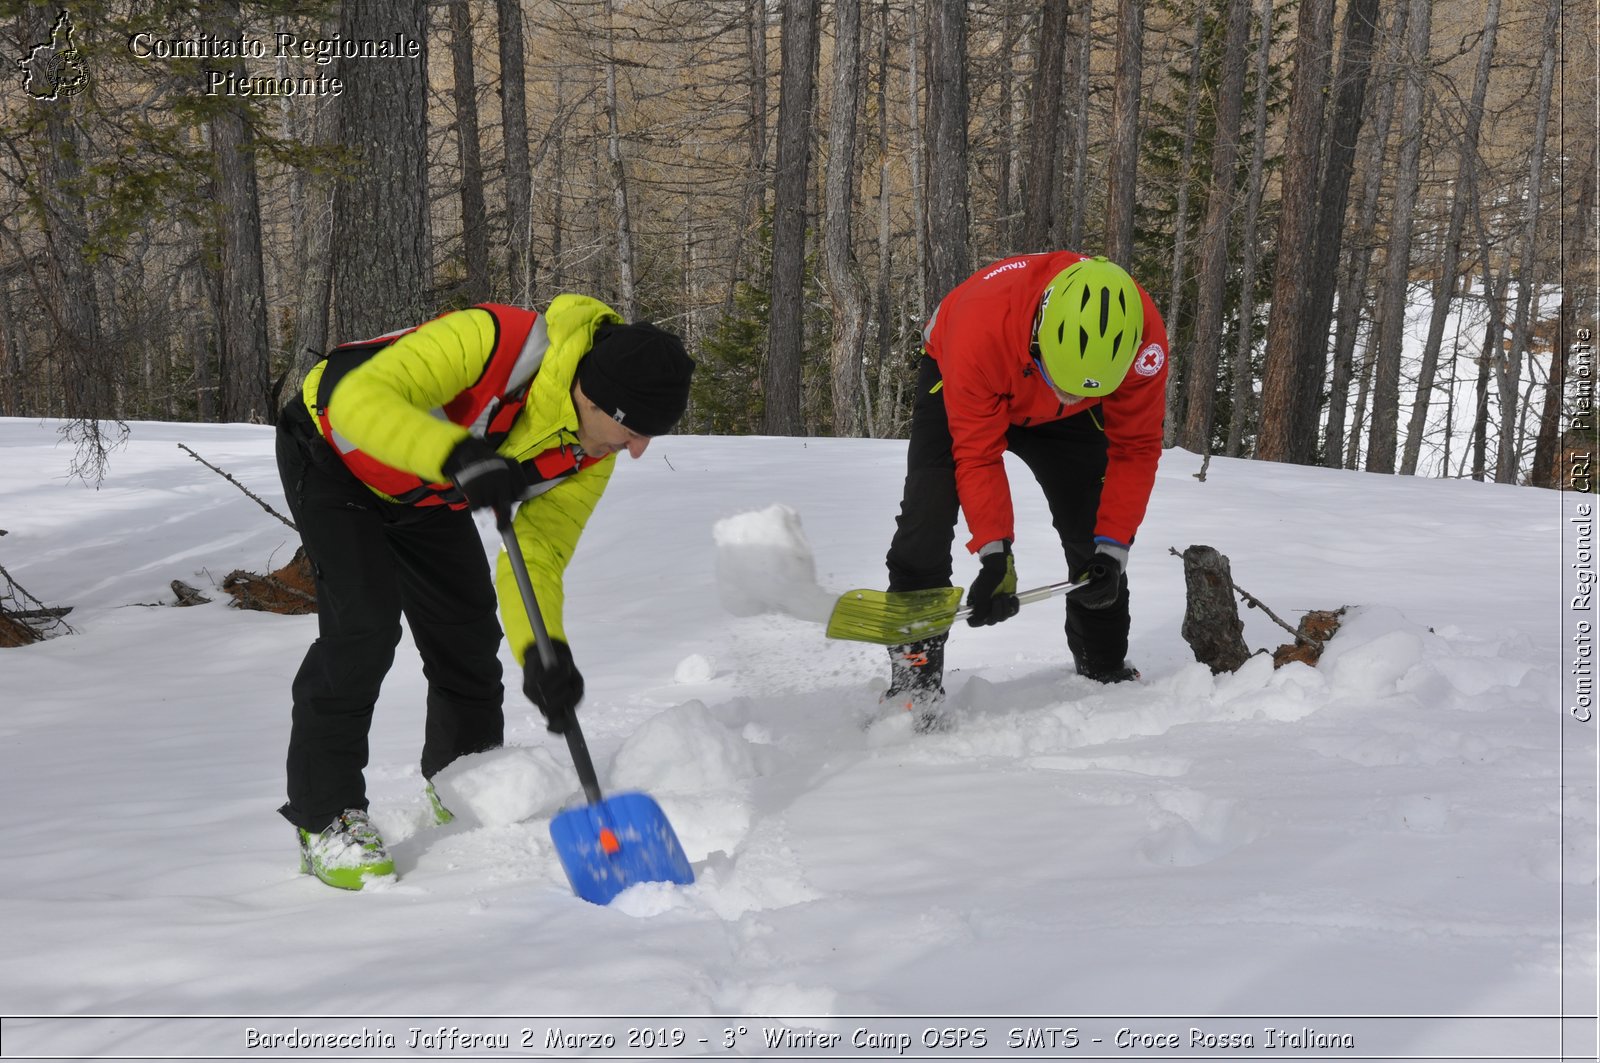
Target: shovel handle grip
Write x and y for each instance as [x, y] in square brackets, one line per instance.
[547, 653]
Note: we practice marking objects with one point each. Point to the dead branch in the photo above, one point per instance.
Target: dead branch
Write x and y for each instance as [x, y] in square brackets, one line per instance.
[187, 595]
[1256, 603]
[256, 498]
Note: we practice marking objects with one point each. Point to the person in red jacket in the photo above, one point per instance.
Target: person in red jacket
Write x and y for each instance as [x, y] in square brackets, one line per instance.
[1061, 359]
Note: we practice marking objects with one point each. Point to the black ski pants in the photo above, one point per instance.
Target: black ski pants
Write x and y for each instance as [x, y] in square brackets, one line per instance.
[375, 561]
[1067, 458]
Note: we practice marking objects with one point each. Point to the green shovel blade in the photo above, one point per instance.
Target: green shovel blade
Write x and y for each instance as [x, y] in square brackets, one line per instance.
[890, 618]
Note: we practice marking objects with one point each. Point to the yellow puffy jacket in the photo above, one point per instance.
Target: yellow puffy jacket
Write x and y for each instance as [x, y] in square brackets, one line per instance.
[383, 407]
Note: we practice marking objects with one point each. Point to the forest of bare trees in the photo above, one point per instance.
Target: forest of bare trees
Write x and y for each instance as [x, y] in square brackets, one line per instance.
[1371, 227]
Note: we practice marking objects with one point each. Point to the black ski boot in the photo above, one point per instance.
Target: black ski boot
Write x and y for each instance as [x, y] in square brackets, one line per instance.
[1122, 672]
[916, 682]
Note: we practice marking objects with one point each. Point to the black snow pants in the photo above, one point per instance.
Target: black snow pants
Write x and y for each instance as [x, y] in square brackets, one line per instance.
[1067, 458]
[375, 561]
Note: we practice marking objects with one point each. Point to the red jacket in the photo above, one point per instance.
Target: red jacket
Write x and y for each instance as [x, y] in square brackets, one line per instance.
[980, 336]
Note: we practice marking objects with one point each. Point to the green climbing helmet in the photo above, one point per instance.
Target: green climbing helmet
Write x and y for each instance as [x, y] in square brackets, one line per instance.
[1088, 328]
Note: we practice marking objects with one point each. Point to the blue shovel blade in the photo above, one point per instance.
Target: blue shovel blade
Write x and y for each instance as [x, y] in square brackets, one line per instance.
[647, 848]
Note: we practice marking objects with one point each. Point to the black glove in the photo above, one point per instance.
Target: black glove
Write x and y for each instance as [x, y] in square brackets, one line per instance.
[1101, 582]
[556, 689]
[993, 596]
[485, 477]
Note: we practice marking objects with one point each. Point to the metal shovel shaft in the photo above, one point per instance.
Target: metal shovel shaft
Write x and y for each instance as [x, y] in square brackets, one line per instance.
[1038, 594]
[547, 653]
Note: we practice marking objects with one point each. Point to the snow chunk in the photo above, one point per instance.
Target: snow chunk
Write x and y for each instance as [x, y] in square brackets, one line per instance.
[765, 565]
[503, 786]
[684, 749]
[695, 668]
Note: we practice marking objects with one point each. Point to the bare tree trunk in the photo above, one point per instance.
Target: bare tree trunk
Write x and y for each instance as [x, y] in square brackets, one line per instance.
[558, 178]
[1576, 303]
[1529, 275]
[753, 197]
[1494, 294]
[1450, 257]
[85, 373]
[1068, 228]
[918, 158]
[1044, 153]
[1333, 194]
[1282, 374]
[520, 265]
[1009, 200]
[1120, 192]
[382, 259]
[1358, 262]
[949, 251]
[1213, 274]
[1178, 370]
[1382, 439]
[877, 426]
[314, 122]
[1243, 379]
[845, 287]
[781, 376]
[245, 350]
[199, 334]
[619, 175]
[474, 214]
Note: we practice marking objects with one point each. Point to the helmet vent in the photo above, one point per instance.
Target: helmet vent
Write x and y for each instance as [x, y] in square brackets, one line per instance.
[1105, 309]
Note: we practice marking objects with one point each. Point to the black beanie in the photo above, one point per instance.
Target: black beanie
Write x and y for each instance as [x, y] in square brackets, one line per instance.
[639, 375]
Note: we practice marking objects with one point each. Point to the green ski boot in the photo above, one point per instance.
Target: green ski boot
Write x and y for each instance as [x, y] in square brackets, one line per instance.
[441, 814]
[347, 854]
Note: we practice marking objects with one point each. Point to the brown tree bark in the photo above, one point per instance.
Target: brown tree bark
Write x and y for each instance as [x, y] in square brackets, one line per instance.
[1178, 368]
[1333, 194]
[520, 265]
[1120, 191]
[1576, 304]
[626, 286]
[1282, 375]
[781, 376]
[846, 289]
[474, 213]
[1339, 446]
[382, 259]
[1044, 151]
[1450, 257]
[1213, 275]
[1243, 379]
[245, 362]
[1529, 274]
[1382, 439]
[949, 252]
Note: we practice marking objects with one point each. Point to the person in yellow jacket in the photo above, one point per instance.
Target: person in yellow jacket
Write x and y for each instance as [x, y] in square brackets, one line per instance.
[389, 444]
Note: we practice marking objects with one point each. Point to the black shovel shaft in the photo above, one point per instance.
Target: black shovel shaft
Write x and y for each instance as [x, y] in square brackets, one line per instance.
[547, 654]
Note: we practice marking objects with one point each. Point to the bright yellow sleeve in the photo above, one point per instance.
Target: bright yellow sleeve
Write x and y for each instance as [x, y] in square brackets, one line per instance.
[548, 527]
[385, 405]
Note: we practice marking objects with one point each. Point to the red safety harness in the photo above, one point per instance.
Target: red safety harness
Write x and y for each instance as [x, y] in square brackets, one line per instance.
[487, 409]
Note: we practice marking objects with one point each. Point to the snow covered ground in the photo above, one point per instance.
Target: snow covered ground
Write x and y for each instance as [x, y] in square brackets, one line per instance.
[1395, 850]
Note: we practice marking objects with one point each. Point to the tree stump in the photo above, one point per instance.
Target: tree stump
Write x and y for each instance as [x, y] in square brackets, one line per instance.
[1211, 624]
[291, 590]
